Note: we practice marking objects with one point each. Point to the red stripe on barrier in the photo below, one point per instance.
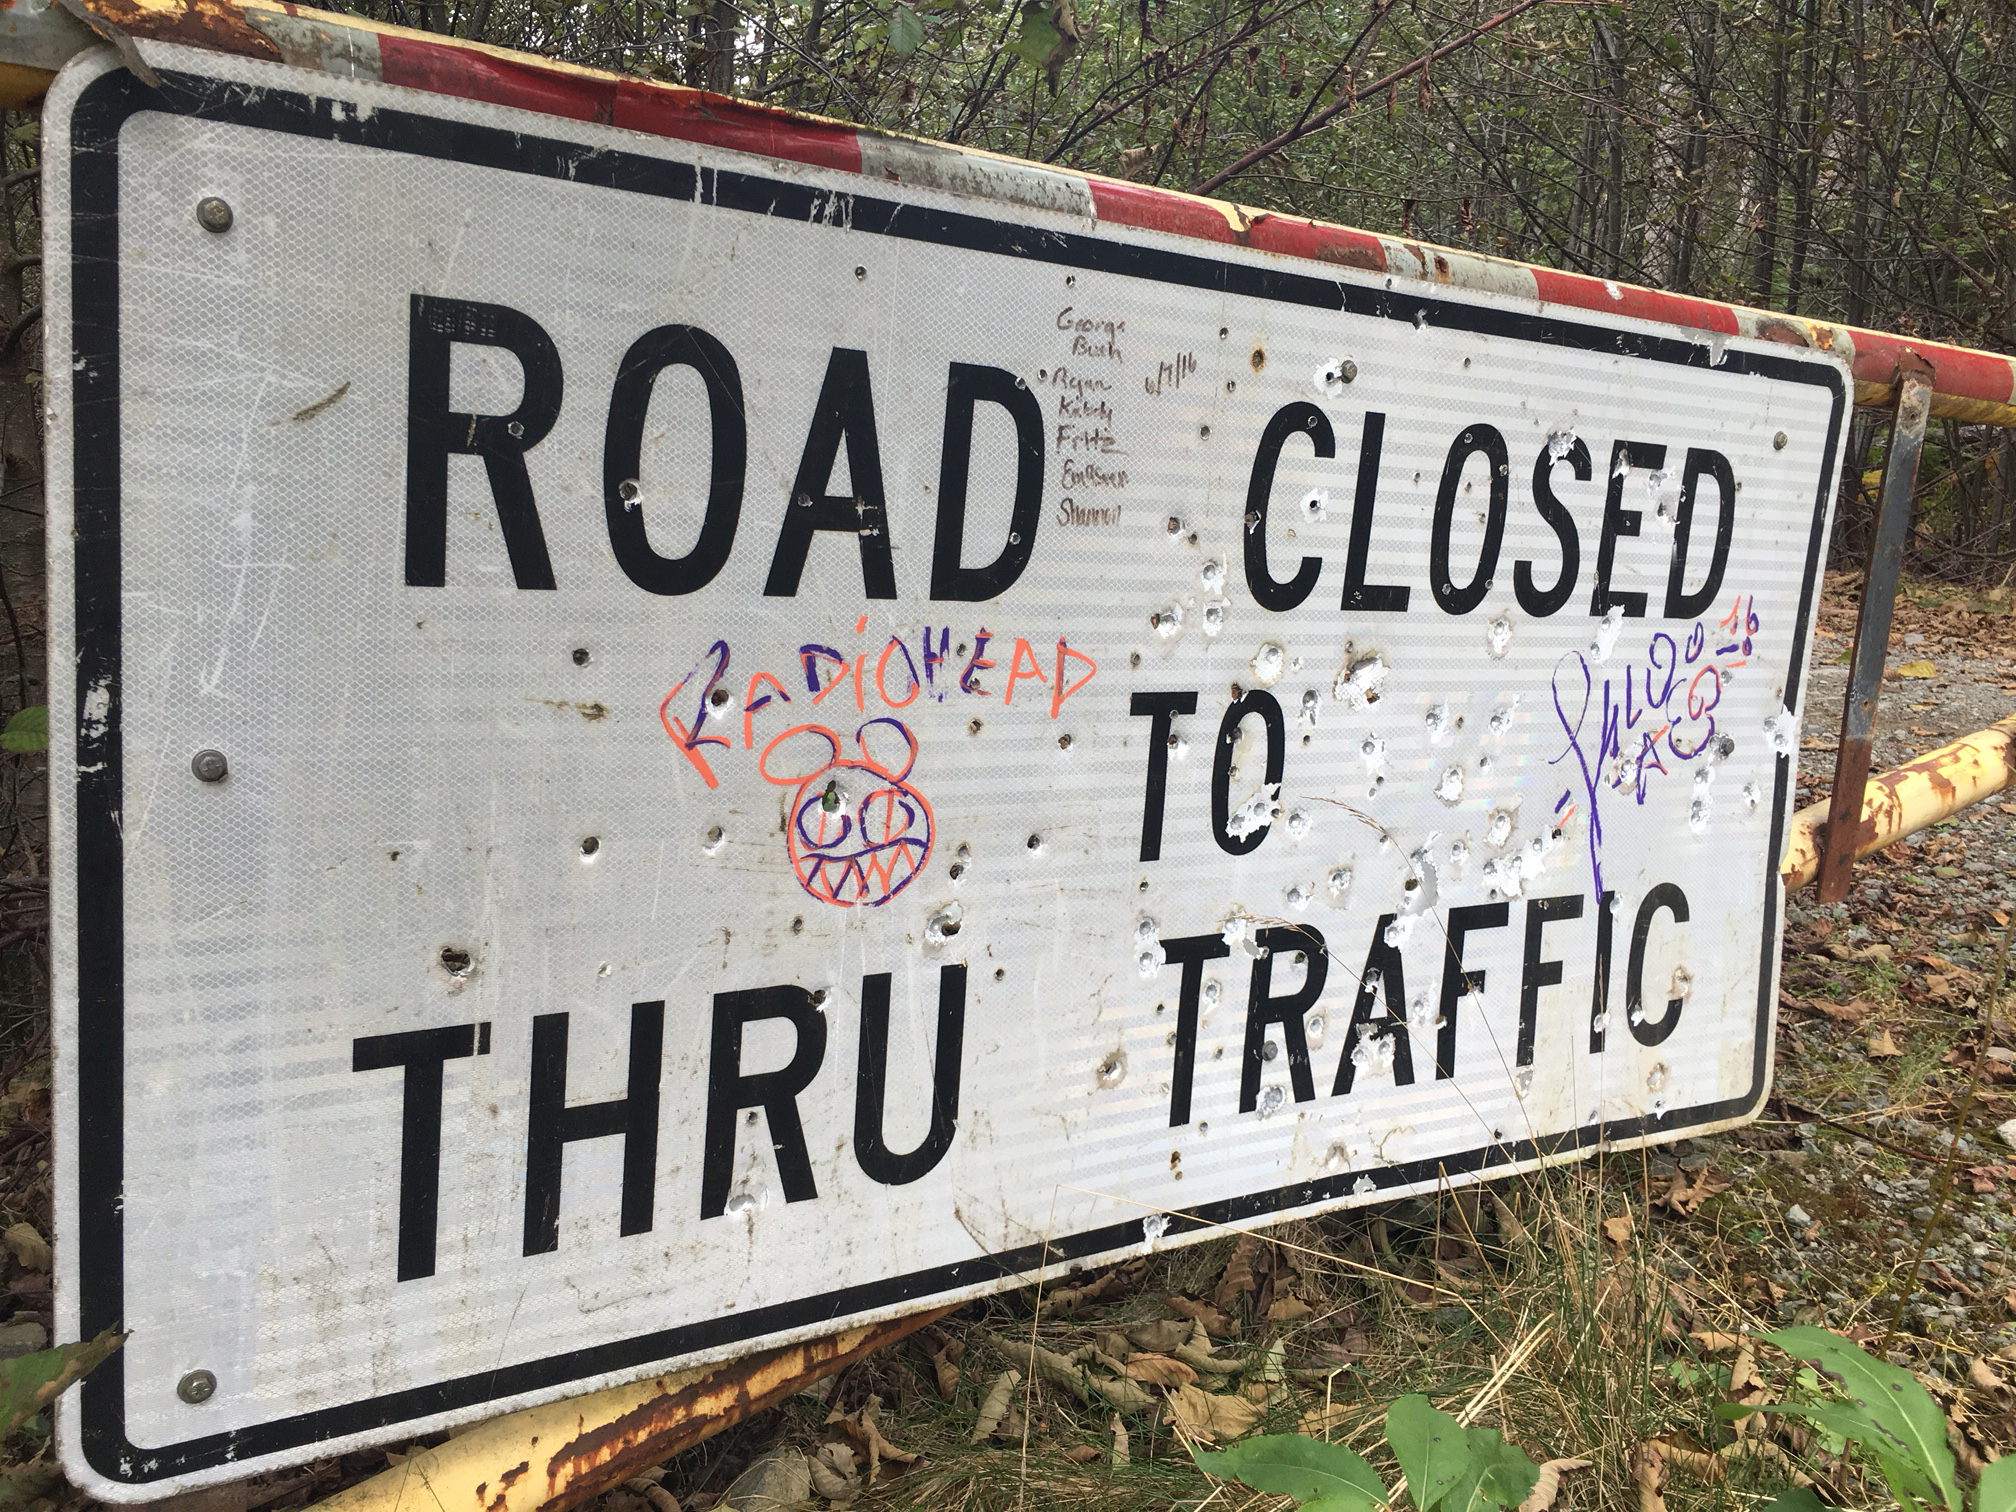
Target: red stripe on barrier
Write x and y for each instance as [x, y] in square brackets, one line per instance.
[1149, 209]
[688, 115]
[692, 115]
[1955, 370]
[1586, 293]
[1293, 236]
[471, 75]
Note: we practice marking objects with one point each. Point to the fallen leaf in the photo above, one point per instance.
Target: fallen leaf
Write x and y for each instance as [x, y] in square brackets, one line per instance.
[1719, 1343]
[1160, 1370]
[1122, 1452]
[834, 1475]
[1685, 1196]
[1238, 1277]
[1548, 1486]
[1984, 1378]
[1617, 1231]
[1841, 1013]
[1082, 1454]
[994, 1406]
[1287, 1309]
[1648, 1469]
[861, 1427]
[1882, 1046]
[1217, 1323]
[1218, 1419]
[29, 1247]
[1916, 669]
[1508, 1221]
[1160, 1336]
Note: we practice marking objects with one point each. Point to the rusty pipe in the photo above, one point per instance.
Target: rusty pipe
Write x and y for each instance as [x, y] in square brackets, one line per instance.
[1917, 794]
[550, 1458]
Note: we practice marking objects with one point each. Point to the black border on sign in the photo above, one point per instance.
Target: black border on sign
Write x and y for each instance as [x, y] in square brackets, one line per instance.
[101, 110]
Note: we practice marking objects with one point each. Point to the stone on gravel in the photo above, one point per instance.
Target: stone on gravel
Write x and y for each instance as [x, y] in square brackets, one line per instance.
[1798, 1217]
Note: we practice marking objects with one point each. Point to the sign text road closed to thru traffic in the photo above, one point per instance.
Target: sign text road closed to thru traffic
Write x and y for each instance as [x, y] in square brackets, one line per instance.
[670, 748]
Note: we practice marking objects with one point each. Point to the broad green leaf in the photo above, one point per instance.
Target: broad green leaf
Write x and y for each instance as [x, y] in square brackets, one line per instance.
[28, 730]
[1895, 1401]
[1432, 1447]
[906, 32]
[1997, 1491]
[31, 1382]
[1290, 1464]
[1798, 1499]
[1039, 37]
[1851, 1421]
[1498, 1475]
[1341, 1501]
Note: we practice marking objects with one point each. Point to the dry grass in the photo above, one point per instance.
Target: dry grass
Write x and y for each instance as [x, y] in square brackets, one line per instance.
[1514, 1308]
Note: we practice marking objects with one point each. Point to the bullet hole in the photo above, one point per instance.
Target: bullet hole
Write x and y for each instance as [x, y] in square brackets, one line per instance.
[1174, 741]
[1176, 1161]
[1269, 1051]
[455, 961]
[1113, 1069]
[1000, 973]
[1466, 364]
[750, 1120]
[580, 656]
[1063, 742]
[1174, 526]
[1203, 1128]
[819, 997]
[1161, 1007]
[718, 698]
[1144, 885]
[1134, 659]
[956, 870]
[1231, 387]
[1410, 884]
[829, 802]
[1223, 332]
[590, 847]
[798, 924]
[1070, 280]
[1203, 433]
[629, 491]
[972, 727]
[715, 835]
[1035, 842]
[962, 649]
[860, 275]
[1193, 538]
[1259, 359]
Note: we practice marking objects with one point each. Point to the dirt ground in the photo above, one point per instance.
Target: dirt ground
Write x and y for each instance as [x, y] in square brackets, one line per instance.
[1585, 1313]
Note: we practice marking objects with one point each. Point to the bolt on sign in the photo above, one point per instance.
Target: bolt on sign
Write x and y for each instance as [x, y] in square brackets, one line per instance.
[671, 748]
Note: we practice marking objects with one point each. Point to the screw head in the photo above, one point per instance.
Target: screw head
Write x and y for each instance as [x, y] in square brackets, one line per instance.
[1349, 371]
[213, 214]
[1778, 441]
[197, 1387]
[209, 766]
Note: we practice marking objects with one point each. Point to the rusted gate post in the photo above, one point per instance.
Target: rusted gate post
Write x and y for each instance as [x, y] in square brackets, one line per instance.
[1872, 632]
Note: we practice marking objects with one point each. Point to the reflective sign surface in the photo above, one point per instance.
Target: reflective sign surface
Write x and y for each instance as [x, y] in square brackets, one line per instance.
[670, 748]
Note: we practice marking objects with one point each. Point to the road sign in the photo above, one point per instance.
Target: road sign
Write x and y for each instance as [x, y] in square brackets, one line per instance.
[670, 748]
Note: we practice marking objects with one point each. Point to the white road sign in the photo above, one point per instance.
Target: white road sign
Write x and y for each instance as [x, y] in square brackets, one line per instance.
[670, 748]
